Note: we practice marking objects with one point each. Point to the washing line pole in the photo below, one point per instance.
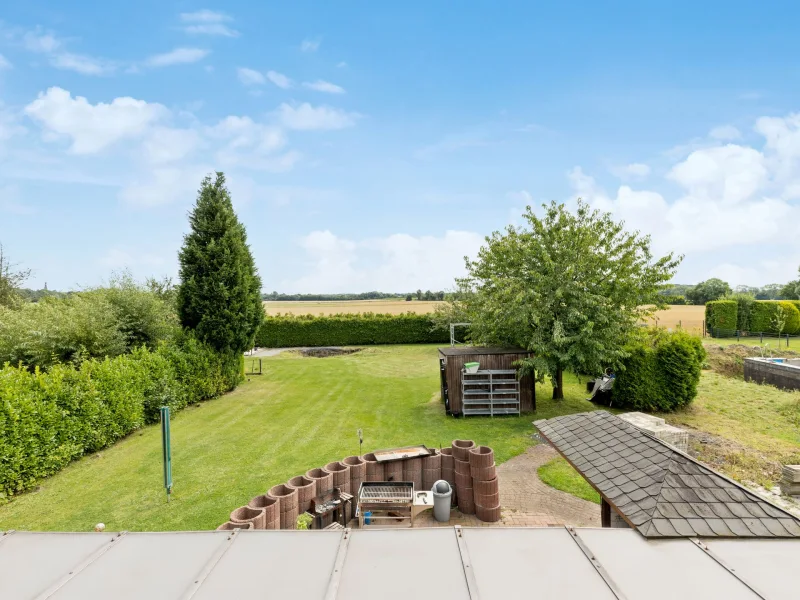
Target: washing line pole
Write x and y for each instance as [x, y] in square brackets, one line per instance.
[166, 450]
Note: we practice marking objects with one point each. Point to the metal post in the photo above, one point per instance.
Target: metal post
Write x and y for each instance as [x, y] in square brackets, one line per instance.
[166, 449]
[737, 335]
[762, 337]
[787, 340]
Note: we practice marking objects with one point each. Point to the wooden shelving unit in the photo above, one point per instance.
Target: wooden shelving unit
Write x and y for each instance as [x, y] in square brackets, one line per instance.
[490, 392]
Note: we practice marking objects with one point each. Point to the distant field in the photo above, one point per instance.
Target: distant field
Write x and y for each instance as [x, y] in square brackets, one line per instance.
[393, 307]
[688, 317]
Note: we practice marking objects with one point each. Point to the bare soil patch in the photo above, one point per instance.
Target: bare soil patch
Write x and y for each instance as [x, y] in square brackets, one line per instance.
[328, 352]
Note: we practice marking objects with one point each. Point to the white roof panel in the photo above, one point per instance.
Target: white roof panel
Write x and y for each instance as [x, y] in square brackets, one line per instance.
[511, 563]
[32, 562]
[661, 569]
[772, 567]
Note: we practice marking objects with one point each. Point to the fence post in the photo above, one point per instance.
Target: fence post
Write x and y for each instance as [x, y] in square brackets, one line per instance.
[737, 335]
[787, 340]
[762, 337]
[704, 328]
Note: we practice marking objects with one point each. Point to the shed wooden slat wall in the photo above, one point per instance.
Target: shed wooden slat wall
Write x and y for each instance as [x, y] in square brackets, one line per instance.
[493, 360]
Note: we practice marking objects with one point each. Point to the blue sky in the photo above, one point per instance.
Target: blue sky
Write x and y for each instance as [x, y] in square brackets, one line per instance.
[372, 145]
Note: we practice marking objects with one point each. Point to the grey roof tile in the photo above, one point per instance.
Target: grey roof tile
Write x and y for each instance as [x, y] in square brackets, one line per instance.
[662, 492]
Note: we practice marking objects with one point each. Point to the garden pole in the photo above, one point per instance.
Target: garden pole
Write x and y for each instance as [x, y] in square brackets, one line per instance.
[166, 449]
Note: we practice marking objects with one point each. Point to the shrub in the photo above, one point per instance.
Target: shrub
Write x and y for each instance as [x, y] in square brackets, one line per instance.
[764, 313]
[744, 309]
[672, 299]
[48, 419]
[348, 330]
[661, 372]
[721, 314]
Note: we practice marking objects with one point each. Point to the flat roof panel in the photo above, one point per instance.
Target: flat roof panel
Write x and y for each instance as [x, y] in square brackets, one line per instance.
[469, 350]
[403, 564]
[514, 563]
[31, 562]
[145, 565]
[661, 569]
[771, 566]
[262, 564]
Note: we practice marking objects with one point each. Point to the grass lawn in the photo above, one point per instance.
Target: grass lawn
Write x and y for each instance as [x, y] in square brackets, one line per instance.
[559, 474]
[758, 427]
[302, 413]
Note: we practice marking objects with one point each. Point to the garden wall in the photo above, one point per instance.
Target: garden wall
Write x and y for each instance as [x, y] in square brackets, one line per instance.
[287, 331]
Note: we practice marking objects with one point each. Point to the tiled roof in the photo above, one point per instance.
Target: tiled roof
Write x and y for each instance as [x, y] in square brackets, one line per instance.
[658, 490]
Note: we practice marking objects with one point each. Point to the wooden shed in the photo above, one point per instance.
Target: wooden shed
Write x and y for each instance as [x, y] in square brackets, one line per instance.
[490, 391]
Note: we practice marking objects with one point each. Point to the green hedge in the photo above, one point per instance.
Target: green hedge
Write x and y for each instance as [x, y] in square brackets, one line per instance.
[721, 314]
[661, 372]
[286, 331]
[48, 419]
[764, 312]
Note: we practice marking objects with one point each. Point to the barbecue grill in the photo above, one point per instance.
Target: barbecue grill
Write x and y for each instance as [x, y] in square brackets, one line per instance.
[390, 503]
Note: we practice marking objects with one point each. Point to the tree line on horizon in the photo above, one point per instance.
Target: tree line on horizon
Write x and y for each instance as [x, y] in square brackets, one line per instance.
[716, 289]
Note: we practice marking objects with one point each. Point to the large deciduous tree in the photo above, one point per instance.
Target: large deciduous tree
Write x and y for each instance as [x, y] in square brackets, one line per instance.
[708, 290]
[567, 286]
[220, 291]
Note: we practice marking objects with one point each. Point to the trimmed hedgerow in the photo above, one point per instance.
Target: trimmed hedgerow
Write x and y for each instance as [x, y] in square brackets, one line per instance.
[764, 313]
[661, 372]
[286, 331]
[721, 314]
[48, 419]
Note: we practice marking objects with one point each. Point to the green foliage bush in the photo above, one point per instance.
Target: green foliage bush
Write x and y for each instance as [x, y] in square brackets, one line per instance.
[48, 419]
[348, 330]
[764, 313]
[721, 314]
[672, 299]
[744, 310]
[661, 372]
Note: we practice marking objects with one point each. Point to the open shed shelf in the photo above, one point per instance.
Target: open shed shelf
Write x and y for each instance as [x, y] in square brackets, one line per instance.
[490, 392]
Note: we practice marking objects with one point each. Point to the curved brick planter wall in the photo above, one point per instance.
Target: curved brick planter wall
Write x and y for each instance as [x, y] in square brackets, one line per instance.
[466, 502]
[272, 509]
[394, 470]
[375, 470]
[288, 502]
[432, 462]
[461, 448]
[230, 526]
[489, 515]
[429, 477]
[481, 457]
[462, 467]
[485, 488]
[245, 514]
[306, 490]
[447, 459]
[341, 475]
[412, 471]
[357, 466]
[484, 473]
[323, 478]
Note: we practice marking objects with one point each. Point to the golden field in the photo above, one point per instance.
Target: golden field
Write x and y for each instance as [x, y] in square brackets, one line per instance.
[392, 307]
[689, 318]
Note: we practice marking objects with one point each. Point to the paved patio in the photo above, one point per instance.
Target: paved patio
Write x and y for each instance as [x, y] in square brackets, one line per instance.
[525, 500]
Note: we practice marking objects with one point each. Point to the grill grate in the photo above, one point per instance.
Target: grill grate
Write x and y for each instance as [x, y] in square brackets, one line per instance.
[386, 493]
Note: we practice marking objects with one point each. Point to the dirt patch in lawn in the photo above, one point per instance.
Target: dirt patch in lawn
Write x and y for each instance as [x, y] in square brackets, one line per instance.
[729, 360]
[328, 352]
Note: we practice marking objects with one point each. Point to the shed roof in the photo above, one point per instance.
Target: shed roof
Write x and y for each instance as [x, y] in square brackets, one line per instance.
[469, 350]
[657, 489]
[444, 563]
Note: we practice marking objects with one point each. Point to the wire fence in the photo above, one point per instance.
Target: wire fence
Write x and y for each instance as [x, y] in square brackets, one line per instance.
[782, 338]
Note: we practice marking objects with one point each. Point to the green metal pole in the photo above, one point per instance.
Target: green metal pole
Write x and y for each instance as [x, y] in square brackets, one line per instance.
[166, 449]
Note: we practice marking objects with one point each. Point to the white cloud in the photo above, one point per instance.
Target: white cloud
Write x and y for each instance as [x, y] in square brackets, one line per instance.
[165, 144]
[250, 76]
[37, 41]
[324, 86]
[92, 127]
[341, 65]
[282, 81]
[4, 63]
[631, 171]
[309, 45]
[396, 262]
[522, 197]
[725, 133]
[178, 56]
[163, 185]
[307, 117]
[85, 65]
[207, 22]
[728, 173]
